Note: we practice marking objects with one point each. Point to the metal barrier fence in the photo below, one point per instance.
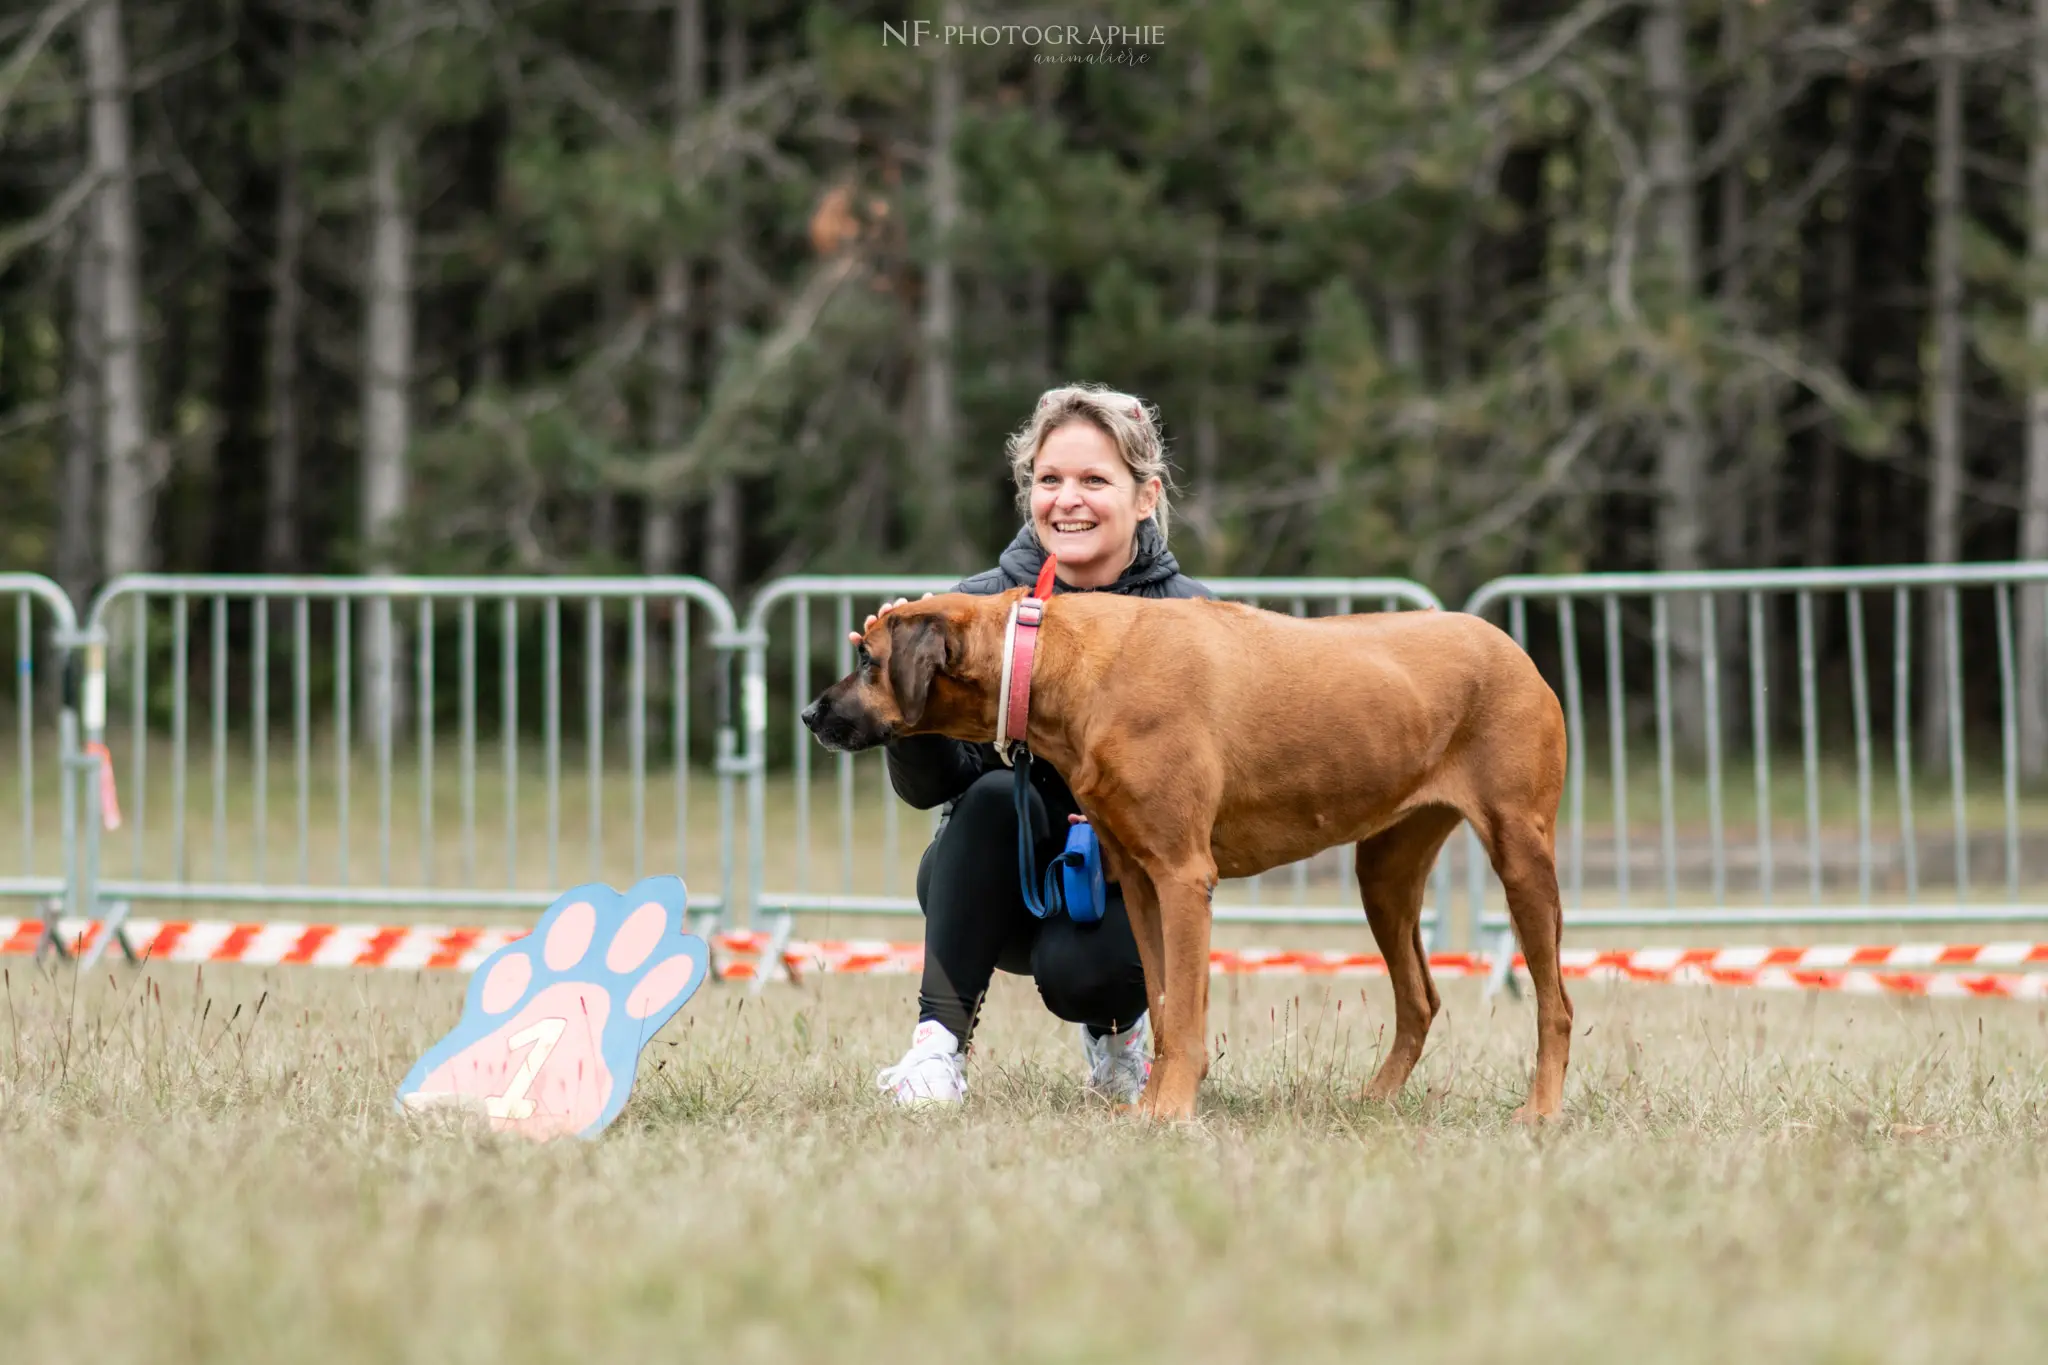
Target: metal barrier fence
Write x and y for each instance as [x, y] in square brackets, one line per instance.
[393, 666]
[1724, 849]
[873, 865]
[42, 869]
[1758, 743]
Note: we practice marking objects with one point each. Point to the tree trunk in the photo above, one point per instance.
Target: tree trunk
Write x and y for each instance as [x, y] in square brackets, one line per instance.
[1945, 385]
[604, 529]
[722, 517]
[387, 408]
[1038, 294]
[660, 526]
[1454, 306]
[1044, 86]
[281, 457]
[1203, 309]
[612, 420]
[1734, 188]
[1747, 534]
[1824, 512]
[1682, 503]
[940, 541]
[1736, 411]
[82, 387]
[1207, 441]
[234, 499]
[661, 529]
[130, 481]
[2033, 679]
[722, 535]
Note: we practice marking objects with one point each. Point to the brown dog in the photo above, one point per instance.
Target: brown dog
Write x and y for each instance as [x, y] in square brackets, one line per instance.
[1208, 739]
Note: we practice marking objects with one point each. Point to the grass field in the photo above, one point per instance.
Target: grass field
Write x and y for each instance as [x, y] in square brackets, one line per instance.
[207, 1168]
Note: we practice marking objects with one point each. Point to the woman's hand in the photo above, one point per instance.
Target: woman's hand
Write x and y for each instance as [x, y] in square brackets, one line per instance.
[856, 636]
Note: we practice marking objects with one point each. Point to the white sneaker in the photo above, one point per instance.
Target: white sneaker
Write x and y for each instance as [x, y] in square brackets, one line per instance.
[1119, 1064]
[932, 1072]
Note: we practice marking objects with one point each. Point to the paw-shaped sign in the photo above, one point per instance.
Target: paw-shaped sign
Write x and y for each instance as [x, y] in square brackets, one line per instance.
[551, 1032]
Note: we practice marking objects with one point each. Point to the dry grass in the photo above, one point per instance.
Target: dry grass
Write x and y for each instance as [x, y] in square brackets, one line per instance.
[185, 1176]
[207, 1168]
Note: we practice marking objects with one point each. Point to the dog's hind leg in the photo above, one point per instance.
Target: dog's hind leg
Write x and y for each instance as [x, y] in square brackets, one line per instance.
[1393, 874]
[1523, 849]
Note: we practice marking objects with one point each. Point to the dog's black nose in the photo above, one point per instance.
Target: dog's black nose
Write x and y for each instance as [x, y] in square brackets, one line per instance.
[809, 716]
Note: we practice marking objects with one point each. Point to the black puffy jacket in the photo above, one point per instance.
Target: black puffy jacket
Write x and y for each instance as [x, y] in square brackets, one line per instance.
[931, 770]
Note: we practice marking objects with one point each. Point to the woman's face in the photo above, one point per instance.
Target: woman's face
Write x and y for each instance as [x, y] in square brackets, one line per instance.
[1085, 505]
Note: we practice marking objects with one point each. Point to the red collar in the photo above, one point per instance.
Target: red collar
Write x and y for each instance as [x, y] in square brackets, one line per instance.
[1020, 645]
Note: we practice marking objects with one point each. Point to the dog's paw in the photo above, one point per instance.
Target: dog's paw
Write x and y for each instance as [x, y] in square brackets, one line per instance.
[553, 1025]
[1166, 1099]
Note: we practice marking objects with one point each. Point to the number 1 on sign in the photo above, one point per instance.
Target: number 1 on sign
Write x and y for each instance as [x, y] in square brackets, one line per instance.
[513, 1104]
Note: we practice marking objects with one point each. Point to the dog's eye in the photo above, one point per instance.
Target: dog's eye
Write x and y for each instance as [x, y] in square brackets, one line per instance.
[863, 660]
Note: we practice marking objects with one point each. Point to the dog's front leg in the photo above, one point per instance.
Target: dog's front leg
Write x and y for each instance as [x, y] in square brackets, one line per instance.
[1180, 1021]
[1141, 905]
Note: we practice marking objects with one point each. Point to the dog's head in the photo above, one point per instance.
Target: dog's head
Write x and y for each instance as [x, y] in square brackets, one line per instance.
[928, 667]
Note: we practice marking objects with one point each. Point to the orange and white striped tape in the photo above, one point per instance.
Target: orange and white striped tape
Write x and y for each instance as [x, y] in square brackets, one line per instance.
[2006, 986]
[279, 943]
[413, 947]
[1835, 967]
[739, 956]
[1815, 955]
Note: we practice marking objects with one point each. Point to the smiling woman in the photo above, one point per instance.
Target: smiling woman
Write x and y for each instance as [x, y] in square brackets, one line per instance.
[1092, 482]
[1090, 469]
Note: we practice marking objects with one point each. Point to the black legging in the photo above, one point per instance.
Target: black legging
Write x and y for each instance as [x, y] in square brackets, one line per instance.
[976, 921]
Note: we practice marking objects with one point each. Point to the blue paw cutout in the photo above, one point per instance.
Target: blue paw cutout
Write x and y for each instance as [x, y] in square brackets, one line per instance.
[551, 1032]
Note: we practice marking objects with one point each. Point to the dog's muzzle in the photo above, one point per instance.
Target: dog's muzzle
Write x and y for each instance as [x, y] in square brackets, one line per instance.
[837, 732]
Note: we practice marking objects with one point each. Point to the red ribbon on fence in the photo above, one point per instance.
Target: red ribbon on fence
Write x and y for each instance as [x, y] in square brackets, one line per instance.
[110, 801]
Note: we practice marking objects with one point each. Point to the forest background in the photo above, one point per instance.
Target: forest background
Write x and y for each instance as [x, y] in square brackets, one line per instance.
[1439, 290]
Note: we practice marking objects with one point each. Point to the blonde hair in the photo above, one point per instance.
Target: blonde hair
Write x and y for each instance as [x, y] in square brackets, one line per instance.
[1131, 426]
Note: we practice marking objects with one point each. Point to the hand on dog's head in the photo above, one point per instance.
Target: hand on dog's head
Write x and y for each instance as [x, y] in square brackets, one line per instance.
[926, 667]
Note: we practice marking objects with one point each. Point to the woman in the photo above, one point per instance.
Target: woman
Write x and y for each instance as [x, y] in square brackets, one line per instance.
[1091, 480]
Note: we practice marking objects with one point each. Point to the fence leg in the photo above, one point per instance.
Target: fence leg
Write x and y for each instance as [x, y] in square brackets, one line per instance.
[772, 967]
[113, 929]
[731, 767]
[88, 758]
[1500, 974]
[65, 904]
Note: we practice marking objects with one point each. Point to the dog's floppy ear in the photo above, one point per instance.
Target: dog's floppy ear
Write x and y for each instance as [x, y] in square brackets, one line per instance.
[917, 651]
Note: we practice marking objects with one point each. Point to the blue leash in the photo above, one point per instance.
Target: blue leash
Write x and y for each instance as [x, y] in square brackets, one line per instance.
[1074, 884]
